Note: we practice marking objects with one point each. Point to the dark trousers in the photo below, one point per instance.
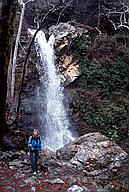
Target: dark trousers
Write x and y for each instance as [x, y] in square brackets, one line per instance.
[34, 155]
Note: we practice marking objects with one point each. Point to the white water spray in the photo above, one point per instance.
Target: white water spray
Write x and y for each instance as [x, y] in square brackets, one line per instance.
[57, 126]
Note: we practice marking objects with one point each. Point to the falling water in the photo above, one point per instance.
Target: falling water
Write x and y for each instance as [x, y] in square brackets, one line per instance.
[56, 133]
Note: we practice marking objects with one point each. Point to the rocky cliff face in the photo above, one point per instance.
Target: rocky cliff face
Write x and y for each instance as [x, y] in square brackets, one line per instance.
[67, 62]
[94, 69]
[84, 58]
[87, 62]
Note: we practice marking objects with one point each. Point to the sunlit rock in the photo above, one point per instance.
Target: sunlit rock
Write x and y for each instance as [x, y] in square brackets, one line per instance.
[68, 65]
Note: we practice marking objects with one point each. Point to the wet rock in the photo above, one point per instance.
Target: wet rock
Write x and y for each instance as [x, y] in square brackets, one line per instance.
[10, 155]
[16, 163]
[56, 181]
[22, 152]
[33, 189]
[27, 170]
[85, 189]
[102, 190]
[32, 180]
[12, 168]
[72, 181]
[14, 159]
[14, 139]
[75, 188]
[10, 189]
[19, 175]
[26, 162]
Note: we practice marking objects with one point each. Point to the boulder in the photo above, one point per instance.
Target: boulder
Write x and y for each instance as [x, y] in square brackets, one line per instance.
[56, 181]
[32, 180]
[16, 163]
[94, 154]
[63, 32]
[75, 188]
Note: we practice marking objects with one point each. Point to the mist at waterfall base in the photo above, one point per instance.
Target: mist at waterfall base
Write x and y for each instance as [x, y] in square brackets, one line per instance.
[54, 124]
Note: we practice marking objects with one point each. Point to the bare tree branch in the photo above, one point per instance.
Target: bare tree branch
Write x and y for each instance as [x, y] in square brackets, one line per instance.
[63, 11]
[122, 15]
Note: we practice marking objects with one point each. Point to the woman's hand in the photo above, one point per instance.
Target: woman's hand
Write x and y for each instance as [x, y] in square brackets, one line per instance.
[30, 146]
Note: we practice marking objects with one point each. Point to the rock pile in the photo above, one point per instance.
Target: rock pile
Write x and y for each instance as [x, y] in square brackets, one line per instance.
[89, 163]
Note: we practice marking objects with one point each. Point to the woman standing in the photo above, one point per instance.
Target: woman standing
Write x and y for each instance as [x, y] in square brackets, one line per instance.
[35, 146]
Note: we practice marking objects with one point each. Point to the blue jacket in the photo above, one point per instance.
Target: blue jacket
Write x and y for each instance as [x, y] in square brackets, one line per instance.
[36, 143]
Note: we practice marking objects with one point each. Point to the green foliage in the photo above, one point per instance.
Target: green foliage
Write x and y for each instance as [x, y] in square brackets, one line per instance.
[108, 78]
[109, 119]
[81, 48]
[105, 71]
[109, 70]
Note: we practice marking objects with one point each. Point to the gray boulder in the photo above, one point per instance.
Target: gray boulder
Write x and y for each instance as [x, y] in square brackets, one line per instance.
[94, 154]
[75, 188]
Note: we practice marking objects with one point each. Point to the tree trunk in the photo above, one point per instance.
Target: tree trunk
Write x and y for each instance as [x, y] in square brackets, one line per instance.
[16, 50]
[7, 26]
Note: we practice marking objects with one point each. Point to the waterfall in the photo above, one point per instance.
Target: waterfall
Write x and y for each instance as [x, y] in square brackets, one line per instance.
[54, 122]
